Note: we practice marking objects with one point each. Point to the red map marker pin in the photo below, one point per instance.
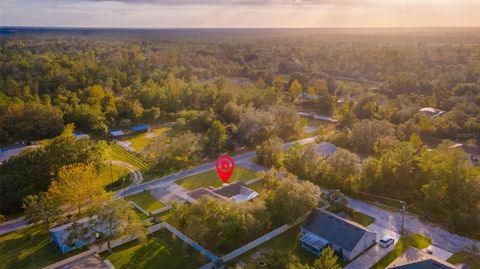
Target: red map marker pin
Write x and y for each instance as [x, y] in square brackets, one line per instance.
[225, 166]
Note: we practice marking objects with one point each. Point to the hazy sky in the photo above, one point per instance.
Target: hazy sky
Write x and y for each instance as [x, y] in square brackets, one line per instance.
[240, 13]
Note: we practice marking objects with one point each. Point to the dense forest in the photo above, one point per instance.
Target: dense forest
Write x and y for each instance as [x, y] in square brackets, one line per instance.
[230, 88]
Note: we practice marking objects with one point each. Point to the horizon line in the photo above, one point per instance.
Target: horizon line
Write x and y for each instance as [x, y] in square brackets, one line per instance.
[232, 28]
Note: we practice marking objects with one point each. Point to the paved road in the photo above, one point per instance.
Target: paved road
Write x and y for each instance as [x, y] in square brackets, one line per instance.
[13, 225]
[393, 221]
[240, 160]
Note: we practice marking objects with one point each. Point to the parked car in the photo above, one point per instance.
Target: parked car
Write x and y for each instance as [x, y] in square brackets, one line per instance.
[386, 241]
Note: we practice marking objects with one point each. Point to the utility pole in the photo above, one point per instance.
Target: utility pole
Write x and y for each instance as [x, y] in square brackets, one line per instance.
[403, 210]
[403, 206]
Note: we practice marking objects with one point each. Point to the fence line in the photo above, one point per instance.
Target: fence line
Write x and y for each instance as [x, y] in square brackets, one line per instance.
[190, 242]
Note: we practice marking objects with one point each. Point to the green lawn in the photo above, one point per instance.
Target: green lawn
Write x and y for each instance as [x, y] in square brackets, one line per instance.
[113, 181]
[142, 140]
[258, 186]
[211, 178]
[360, 218]
[29, 248]
[115, 152]
[146, 201]
[467, 258]
[275, 252]
[140, 214]
[161, 250]
[411, 240]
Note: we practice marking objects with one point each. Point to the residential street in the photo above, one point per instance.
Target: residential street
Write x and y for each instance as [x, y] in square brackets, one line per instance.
[384, 219]
[393, 221]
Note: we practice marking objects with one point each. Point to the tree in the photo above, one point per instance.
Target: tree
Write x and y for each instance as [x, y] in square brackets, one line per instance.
[269, 153]
[336, 201]
[287, 122]
[178, 152]
[42, 208]
[342, 170]
[298, 198]
[327, 260]
[326, 104]
[77, 231]
[115, 218]
[217, 223]
[32, 171]
[216, 138]
[256, 126]
[303, 161]
[293, 93]
[366, 133]
[77, 185]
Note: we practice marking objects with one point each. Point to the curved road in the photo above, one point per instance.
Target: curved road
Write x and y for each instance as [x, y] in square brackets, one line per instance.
[137, 176]
[384, 218]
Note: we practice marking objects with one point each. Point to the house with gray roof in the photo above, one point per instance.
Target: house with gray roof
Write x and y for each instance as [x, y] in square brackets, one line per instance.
[325, 149]
[236, 192]
[323, 229]
[416, 259]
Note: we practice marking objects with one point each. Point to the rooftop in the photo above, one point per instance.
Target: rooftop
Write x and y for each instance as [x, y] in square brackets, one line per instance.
[325, 149]
[341, 232]
[236, 191]
[140, 127]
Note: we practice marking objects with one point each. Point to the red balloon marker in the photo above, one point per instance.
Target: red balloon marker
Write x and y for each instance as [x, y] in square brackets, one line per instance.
[225, 166]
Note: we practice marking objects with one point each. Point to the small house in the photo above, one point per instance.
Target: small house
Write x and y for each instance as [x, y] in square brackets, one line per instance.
[141, 128]
[117, 133]
[236, 192]
[431, 112]
[323, 229]
[60, 236]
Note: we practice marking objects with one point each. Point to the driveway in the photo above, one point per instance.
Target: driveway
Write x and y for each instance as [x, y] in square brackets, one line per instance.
[392, 220]
[376, 253]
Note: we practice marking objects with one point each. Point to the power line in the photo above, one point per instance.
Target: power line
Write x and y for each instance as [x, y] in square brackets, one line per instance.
[403, 205]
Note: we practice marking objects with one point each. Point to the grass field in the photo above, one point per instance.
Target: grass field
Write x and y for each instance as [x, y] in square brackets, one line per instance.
[258, 186]
[360, 218]
[161, 250]
[211, 178]
[411, 240]
[146, 201]
[140, 141]
[115, 152]
[273, 251]
[117, 173]
[29, 248]
[470, 259]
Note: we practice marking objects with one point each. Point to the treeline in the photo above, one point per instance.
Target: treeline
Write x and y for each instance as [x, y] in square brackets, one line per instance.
[32, 171]
[114, 82]
[441, 183]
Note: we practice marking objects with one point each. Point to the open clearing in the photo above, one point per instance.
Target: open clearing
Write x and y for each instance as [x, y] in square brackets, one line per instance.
[146, 201]
[211, 178]
[31, 247]
[161, 250]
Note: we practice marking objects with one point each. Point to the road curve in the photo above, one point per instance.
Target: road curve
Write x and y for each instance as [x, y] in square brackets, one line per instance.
[137, 176]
